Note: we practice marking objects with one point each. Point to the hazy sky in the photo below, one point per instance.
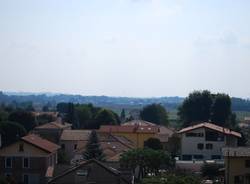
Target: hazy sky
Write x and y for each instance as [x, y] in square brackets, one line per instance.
[140, 48]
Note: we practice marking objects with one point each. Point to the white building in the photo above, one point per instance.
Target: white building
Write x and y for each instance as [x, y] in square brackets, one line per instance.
[205, 141]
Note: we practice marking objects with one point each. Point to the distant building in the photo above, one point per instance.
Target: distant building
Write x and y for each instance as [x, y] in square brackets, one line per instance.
[204, 141]
[237, 165]
[52, 131]
[245, 123]
[139, 131]
[73, 142]
[30, 160]
[90, 172]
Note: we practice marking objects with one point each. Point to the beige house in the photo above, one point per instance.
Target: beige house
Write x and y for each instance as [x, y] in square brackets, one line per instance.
[73, 140]
[73, 143]
[53, 130]
[204, 141]
[30, 160]
[237, 165]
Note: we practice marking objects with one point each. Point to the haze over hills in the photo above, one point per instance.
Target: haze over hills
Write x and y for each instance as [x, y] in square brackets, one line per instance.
[171, 103]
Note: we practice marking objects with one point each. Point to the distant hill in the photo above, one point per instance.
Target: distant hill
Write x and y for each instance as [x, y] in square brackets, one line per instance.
[40, 99]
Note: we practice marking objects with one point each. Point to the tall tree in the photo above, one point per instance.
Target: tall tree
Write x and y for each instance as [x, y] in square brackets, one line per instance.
[106, 117]
[26, 119]
[153, 143]
[204, 106]
[221, 109]
[155, 113]
[196, 107]
[123, 116]
[11, 132]
[93, 148]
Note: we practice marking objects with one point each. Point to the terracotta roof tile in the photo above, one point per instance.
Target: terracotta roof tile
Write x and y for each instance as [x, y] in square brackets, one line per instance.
[54, 125]
[213, 127]
[40, 143]
[128, 129]
[78, 135]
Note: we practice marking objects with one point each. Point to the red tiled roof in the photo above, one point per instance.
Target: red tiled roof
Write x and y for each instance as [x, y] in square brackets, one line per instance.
[40, 143]
[213, 127]
[128, 129]
[138, 122]
[54, 125]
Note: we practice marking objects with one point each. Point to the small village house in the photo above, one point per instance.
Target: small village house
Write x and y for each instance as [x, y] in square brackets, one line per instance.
[138, 131]
[31, 160]
[237, 165]
[90, 172]
[204, 141]
[52, 131]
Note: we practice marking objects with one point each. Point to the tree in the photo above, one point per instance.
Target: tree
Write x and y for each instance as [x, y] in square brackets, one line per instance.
[210, 170]
[153, 143]
[83, 116]
[11, 132]
[105, 117]
[221, 109]
[195, 108]
[26, 119]
[123, 115]
[155, 113]
[93, 148]
[147, 160]
[202, 106]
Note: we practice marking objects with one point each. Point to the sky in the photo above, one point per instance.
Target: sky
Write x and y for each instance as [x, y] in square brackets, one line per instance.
[134, 48]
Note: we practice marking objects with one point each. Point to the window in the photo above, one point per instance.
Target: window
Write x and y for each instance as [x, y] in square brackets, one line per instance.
[216, 157]
[63, 146]
[198, 157]
[26, 179]
[21, 147]
[200, 146]
[26, 162]
[82, 172]
[238, 179]
[209, 146]
[247, 163]
[214, 136]
[8, 162]
[192, 134]
[75, 146]
[186, 157]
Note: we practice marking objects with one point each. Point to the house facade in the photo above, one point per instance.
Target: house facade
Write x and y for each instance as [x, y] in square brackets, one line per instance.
[52, 131]
[30, 160]
[205, 141]
[237, 165]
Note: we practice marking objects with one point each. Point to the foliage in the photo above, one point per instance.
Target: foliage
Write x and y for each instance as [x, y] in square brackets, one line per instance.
[11, 132]
[210, 170]
[172, 179]
[26, 119]
[87, 116]
[221, 109]
[153, 143]
[155, 113]
[202, 106]
[123, 115]
[196, 107]
[106, 117]
[148, 161]
[93, 148]
[62, 157]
